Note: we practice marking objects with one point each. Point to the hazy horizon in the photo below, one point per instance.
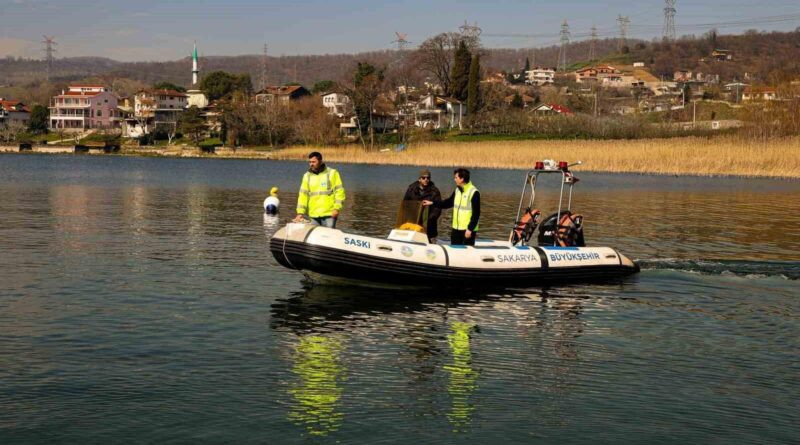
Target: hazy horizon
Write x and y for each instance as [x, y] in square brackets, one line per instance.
[159, 31]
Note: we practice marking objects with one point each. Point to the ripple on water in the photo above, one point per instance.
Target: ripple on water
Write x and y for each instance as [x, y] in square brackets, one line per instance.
[138, 299]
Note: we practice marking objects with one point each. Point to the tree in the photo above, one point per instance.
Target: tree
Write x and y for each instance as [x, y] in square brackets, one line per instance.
[11, 130]
[193, 124]
[473, 88]
[323, 86]
[40, 116]
[364, 92]
[516, 101]
[220, 84]
[527, 64]
[168, 86]
[435, 57]
[459, 76]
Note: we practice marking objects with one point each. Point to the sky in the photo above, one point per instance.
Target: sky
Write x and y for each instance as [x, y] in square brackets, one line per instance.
[140, 30]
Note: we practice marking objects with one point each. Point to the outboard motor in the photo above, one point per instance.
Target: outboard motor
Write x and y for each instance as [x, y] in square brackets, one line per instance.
[526, 226]
[567, 233]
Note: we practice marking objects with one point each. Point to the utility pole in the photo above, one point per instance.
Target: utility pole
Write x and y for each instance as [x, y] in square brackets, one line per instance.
[470, 30]
[592, 44]
[562, 53]
[264, 68]
[472, 34]
[49, 50]
[623, 31]
[402, 42]
[669, 21]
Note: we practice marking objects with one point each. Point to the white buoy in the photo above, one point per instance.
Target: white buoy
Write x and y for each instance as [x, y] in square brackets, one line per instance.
[272, 203]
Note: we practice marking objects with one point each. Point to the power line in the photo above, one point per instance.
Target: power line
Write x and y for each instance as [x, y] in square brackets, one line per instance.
[668, 34]
[645, 27]
[592, 54]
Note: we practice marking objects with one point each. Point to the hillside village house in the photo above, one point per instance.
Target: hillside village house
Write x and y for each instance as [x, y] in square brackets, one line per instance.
[436, 112]
[540, 76]
[722, 55]
[152, 108]
[337, 104]
[551, 109]
[759, 93]
[283, 94]
[621, 81]
[381, 123]
[592, 74]
[84, 107]
[13, 111]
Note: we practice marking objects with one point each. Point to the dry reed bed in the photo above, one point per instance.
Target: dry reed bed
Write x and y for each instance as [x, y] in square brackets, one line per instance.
[679, 156]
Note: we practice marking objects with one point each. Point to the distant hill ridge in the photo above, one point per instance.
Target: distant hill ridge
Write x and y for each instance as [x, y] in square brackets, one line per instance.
[766, 57]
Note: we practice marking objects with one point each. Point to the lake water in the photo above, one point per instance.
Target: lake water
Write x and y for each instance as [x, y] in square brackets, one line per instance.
[139, 303]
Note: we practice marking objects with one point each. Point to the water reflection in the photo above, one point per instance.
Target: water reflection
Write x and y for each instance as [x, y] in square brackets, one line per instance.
[317, 390]
[433, 341]
[463, 379]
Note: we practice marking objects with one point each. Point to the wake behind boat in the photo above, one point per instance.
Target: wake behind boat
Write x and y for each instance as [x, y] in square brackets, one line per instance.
[406, 257]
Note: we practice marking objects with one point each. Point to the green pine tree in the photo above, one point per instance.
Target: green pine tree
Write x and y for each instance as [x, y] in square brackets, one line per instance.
[517, 102]
[473, 87]
[527, 64]
[459, 75]
[37, 123]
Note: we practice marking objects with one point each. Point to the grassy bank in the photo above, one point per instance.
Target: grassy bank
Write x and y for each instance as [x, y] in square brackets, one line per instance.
[682, 156]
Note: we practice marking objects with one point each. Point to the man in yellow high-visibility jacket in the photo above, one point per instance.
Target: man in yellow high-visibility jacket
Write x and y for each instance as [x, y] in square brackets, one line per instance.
[321, 194]
[466, 204]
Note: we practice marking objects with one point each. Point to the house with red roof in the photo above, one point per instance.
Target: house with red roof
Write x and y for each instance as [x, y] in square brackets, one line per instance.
[84, 106]
[551, 109]
[759, 93]
[283, 94]
[13, 111]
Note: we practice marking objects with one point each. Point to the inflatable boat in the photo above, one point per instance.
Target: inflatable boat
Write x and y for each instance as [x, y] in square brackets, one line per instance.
[406, 258]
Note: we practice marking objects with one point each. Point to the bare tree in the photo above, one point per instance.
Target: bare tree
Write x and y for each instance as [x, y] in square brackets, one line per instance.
[435, 55]
[11, 130]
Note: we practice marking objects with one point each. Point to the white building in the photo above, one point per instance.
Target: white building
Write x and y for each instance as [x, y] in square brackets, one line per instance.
[337, 104]
[153, 108]
[540, 76]
[150, 102]
[436, 112]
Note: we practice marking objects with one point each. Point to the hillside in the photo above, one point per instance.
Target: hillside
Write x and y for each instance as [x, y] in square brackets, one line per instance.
[761, 57]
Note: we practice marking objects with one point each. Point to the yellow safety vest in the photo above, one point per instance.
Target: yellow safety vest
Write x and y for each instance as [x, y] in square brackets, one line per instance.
[320, 194]
[462, 207]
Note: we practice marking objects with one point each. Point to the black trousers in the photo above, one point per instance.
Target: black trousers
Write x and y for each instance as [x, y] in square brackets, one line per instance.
[457, 238]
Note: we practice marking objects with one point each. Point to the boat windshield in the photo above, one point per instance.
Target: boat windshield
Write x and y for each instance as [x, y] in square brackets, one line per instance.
[412, 216]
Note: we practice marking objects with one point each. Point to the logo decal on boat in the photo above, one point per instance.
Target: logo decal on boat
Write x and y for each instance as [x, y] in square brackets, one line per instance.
[356, 242]
[406, 251]
[431, 254]
[581, 256]
[516, 258]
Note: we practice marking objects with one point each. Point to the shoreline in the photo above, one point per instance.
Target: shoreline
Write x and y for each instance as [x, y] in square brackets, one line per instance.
[691, 156]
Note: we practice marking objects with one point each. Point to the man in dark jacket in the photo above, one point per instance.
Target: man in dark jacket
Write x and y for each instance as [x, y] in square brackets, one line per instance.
[422, 190]
[466, 204]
